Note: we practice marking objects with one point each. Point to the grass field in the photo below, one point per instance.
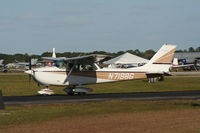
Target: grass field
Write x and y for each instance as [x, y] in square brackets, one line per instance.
[17, 85]
[165, 114]
[25, 114]
[103, 116]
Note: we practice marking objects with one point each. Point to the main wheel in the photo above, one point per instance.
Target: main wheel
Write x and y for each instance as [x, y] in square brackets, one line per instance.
[81, 93]
[70, 93]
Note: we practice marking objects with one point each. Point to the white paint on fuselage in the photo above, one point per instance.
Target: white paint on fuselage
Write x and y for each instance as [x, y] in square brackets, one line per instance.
[52, 76]
[58, 76]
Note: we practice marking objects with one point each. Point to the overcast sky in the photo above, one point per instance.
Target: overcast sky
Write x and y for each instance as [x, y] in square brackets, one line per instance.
[36, 26]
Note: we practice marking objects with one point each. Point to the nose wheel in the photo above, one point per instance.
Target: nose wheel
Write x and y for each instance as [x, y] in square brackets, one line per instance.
[46, 91]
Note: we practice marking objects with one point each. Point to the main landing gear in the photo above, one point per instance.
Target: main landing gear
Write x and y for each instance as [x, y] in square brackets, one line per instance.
[71, 90]
[156, 79]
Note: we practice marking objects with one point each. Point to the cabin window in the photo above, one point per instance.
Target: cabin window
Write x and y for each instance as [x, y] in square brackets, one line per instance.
[81, 67]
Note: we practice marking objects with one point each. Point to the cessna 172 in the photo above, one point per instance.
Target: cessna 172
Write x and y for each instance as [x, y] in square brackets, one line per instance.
[82, 70]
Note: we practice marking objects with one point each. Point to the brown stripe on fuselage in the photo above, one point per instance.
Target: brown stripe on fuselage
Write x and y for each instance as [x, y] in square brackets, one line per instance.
[109, 75]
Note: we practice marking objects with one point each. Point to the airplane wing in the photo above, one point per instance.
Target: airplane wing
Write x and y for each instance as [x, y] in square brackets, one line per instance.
[79, 57]
[54, 59]
[68, 59]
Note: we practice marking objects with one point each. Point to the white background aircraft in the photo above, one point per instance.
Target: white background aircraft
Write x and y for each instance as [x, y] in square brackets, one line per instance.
[177, 65]
[1, 63]
[82, 70]
[18, 64]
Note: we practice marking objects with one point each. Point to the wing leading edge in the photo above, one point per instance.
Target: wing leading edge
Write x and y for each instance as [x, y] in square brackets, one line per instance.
[68, 59]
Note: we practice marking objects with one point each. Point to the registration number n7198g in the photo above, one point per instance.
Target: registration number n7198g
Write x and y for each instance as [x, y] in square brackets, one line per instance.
[121, 76]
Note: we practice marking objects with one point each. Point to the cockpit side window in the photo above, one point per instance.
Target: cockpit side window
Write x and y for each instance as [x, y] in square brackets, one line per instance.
[81, 67]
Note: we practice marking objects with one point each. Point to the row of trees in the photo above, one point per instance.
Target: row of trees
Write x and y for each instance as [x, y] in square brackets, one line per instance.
[25, 57]
[190, 49]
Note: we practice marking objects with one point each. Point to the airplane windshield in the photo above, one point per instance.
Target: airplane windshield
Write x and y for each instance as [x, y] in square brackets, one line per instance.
[77, 65]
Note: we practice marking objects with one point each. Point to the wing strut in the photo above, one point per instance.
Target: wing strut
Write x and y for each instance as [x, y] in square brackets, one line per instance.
[71, 70]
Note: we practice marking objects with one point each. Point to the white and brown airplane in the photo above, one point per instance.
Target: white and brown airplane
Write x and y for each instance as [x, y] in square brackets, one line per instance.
[82, 70]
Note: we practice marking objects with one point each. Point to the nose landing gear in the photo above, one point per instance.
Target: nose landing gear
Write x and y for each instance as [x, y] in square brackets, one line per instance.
[46, 91]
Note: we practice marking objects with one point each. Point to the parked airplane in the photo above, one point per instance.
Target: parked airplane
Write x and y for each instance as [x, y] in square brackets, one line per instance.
[176, 65]
[21, 64]
[82, 70]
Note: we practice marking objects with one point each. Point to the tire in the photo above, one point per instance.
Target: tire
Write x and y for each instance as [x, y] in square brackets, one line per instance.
[81, 93]
[70, 93]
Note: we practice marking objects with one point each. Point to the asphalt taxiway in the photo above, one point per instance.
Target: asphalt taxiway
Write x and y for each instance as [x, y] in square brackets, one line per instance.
[137, 96]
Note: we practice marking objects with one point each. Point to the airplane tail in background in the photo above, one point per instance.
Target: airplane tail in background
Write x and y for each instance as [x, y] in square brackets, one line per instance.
[175, 62]
[162, 60]
[54, 53]
[1, 62]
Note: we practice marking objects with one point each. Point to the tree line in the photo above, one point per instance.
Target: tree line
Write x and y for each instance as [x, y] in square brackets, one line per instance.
[8, 58]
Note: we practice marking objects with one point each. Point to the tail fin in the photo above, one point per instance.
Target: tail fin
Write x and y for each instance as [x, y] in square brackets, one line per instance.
[175, 62]
[1, 62]
[54, 53]
[162, 60]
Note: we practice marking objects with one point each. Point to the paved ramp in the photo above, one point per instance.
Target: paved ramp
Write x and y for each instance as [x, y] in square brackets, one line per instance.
[138, 96]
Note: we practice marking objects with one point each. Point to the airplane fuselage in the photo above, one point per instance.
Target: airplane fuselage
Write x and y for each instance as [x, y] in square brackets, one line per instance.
[56, 76]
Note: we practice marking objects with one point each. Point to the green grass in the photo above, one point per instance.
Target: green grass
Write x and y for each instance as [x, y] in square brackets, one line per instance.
[170, 84]
[18, 85]
[29, 114]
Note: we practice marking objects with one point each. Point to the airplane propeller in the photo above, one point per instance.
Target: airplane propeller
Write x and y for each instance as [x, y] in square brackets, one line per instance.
[30, 68]
[30, 71]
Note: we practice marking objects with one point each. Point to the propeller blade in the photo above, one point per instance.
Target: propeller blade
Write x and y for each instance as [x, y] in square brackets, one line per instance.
[30, 67]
